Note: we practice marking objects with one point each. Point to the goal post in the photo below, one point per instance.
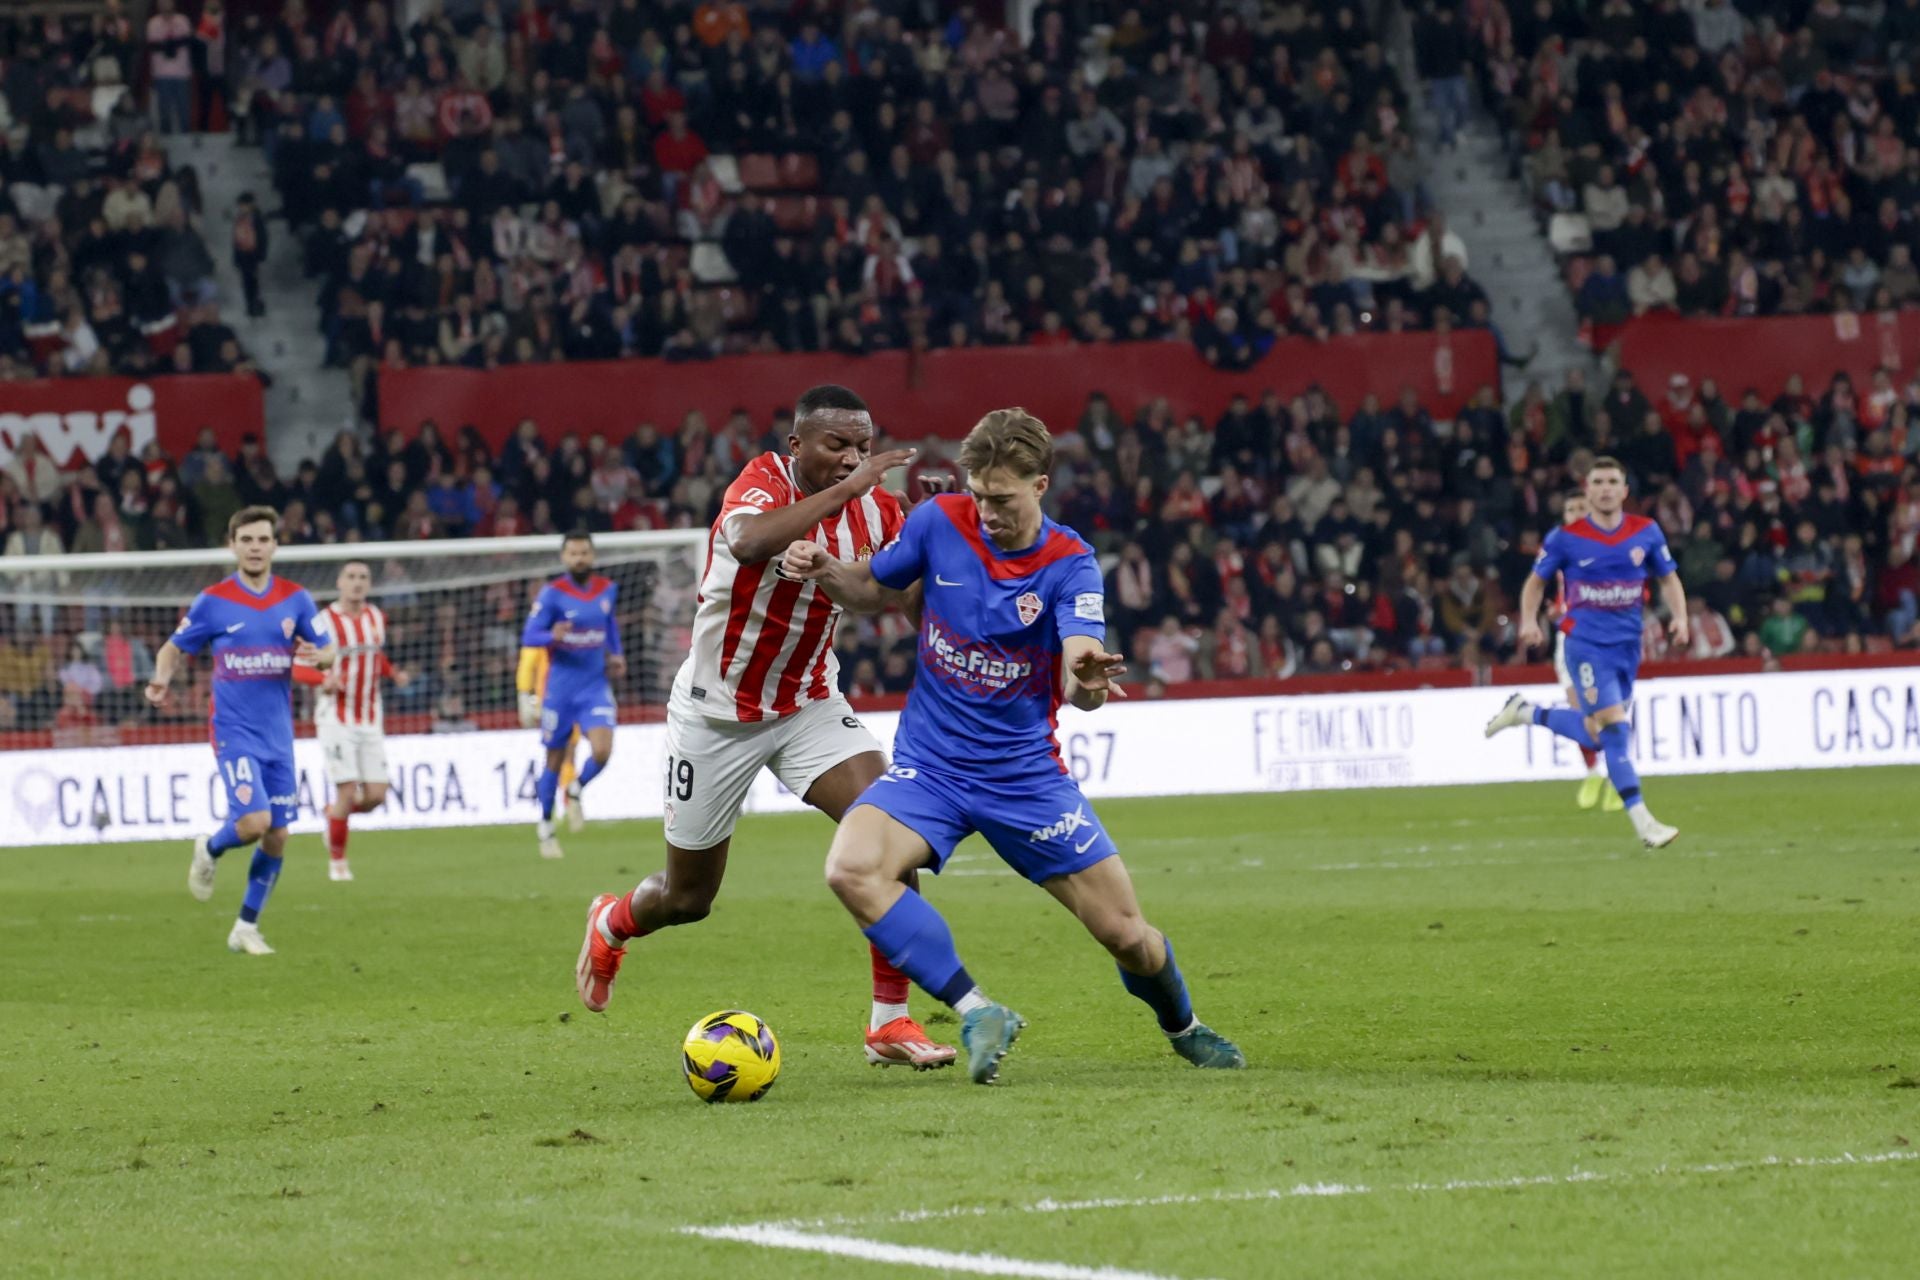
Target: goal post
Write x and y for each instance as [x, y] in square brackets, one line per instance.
[78, 634]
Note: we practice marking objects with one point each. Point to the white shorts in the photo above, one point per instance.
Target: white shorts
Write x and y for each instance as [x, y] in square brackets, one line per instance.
[711, 764]
[1560, 661]
[354, 752]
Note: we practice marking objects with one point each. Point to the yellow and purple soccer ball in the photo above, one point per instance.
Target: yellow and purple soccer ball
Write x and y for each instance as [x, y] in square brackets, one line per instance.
[730, 1056]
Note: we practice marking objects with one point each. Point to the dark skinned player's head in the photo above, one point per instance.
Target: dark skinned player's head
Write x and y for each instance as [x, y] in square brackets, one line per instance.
[832, 436]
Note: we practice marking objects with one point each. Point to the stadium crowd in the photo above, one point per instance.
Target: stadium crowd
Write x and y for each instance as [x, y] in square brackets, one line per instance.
[1287, 537]
[103, 265]
[498, 183]
[1723, 157]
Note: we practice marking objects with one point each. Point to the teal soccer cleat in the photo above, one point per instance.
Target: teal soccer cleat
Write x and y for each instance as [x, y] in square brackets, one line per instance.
[988, 1034]
[1204, 1047]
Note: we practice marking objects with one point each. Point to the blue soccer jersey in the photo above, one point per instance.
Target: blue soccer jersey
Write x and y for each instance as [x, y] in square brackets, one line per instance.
[975, 749]
[988, 689]
[1606, 573]
[577, 693]
[251, 636]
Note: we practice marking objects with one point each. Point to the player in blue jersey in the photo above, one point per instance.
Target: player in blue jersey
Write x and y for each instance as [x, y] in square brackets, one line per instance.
[1013, 623]
[1606, 561]
[574, 620]
[255, 627]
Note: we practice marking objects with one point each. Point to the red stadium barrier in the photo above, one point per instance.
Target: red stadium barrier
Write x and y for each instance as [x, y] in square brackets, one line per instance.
[1761, 353]
[77, 418]
[937, 393]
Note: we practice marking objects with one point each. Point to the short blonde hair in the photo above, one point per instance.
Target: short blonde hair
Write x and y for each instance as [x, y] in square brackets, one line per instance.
[1008, 440]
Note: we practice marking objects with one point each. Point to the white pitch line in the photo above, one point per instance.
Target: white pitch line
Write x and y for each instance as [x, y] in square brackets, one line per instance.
[1329, 1190]
[773, 1236]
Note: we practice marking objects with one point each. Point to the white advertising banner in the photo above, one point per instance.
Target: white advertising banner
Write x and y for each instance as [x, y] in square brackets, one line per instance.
[1429, 737]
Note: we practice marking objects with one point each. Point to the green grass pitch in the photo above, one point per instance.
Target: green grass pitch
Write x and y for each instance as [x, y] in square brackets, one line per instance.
[1489, 1037]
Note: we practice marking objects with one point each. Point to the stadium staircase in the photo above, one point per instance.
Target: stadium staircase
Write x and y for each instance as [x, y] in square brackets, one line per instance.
[307, 404]
[1508, 251]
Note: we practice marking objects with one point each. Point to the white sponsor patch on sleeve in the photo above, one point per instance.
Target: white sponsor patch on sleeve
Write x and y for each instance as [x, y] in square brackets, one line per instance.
[1090, 606]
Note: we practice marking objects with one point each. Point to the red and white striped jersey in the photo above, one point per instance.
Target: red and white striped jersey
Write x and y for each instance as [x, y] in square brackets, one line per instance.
[762, 644]
[362, 665]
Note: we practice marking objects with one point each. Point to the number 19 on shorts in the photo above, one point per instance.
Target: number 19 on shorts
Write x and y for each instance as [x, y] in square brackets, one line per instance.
[679, 778]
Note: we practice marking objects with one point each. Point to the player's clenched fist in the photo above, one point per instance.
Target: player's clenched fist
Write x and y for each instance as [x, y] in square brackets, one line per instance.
[805, 560]
[1530, 635]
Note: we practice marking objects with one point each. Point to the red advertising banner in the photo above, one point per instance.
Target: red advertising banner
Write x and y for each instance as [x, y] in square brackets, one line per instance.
[77, 418]
[938, 393]
[1761, 353]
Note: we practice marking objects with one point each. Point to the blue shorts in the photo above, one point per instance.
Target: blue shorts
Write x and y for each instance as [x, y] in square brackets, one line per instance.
[1041, 826]
[568, 709]
[1603, 674]
[257, 782]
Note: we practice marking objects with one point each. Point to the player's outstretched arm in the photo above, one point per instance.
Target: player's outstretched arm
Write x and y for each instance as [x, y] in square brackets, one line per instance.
[851, 584]
[165, 663]
[1091, 672]
[1673, 594]
[766, 534]
[1530, 597]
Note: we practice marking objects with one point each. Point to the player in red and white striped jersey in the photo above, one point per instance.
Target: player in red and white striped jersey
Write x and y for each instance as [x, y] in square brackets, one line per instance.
[348, 716]
[760, 689]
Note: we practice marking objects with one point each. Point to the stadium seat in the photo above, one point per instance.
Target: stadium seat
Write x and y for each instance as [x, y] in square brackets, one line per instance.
[432, 178]
[758, 173]
[799, 171]
[1569, 233]
[709, 264]
[726, 172]
[794, 213]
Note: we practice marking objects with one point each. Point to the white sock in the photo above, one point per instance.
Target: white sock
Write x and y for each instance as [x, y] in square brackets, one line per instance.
[1599, 769]
[971, 1001]
[1175, 1035]
[573, 789]
[883, 1014]
[544, 828]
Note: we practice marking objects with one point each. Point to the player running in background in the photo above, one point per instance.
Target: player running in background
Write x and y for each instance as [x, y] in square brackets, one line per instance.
[1014, 623]
[256, 627]
[1594, 786]
[574, 619]
[530, 679]
[760, 690]
[349, 717]
[1605, 561]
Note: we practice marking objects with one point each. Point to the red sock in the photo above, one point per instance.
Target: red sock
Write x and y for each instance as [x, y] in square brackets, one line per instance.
[1591, 757]
[336, 837]
[889, 984]
[620, 918]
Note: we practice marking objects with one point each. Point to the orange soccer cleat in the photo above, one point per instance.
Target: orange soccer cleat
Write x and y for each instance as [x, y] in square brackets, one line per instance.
[599, 961]
[905, 1043]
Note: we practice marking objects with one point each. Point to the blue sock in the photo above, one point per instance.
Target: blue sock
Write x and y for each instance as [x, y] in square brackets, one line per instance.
[588, 772]
[224, 839]
[1566, 722]
[1165, 993]
[916, 939]
[547, 788]
[260, 877]
[1625, 778]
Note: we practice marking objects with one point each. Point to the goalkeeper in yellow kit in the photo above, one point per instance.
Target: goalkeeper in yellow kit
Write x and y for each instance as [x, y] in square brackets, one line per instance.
[531, 681]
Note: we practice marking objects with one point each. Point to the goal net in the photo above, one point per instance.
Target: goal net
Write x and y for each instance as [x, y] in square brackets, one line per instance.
[78, 634]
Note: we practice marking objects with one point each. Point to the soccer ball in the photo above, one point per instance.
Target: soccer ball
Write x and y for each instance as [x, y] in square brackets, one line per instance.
[730, 1056]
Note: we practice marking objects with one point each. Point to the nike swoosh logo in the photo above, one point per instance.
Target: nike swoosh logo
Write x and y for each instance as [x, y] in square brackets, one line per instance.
[1589, 560]
[235, 627]
[943, 582]
[1082, 848]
